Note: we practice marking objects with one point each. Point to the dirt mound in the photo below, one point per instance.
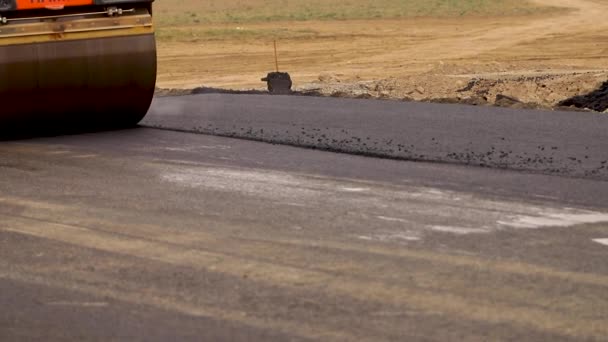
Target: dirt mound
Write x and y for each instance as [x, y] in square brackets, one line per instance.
[529, 91]
[596, 100]
[571, 91]
[160, 92]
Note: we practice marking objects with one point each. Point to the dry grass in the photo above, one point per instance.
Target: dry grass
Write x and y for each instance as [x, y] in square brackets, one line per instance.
[188, 20]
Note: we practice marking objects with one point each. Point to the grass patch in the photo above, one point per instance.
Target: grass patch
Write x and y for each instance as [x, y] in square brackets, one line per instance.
[199, 33]
[191, 12]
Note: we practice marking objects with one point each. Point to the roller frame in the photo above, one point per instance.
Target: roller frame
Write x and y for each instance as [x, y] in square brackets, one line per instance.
[82, 70]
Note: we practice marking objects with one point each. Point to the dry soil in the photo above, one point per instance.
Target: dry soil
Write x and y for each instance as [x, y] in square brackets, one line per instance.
[527, 61]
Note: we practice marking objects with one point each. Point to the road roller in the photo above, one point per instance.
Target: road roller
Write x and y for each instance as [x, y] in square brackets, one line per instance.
[75, 63]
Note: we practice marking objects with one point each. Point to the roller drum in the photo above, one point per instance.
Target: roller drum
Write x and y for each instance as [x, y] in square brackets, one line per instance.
[105, 80]
[97, 82]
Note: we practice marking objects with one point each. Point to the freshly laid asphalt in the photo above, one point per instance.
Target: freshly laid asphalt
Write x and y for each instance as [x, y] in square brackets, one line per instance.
[560, 143]
[160, 234]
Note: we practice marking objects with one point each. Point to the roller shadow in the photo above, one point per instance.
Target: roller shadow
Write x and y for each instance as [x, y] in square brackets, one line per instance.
[27, 132]
[209, 90]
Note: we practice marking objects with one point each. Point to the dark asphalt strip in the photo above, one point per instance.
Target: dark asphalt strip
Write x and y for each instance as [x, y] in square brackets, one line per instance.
[195, 148]
[558, 143]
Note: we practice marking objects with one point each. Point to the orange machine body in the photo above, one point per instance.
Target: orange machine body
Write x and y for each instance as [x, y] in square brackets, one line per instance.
[50, 4]
[75, 63]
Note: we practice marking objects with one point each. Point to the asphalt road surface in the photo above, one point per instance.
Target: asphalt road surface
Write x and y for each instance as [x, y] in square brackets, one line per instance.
[560, 143]
[151, 234]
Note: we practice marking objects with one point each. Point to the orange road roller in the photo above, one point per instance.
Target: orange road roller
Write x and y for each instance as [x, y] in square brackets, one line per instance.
[76, 63]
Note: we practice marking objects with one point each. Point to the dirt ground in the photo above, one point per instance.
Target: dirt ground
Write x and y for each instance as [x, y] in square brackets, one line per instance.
[534, 61]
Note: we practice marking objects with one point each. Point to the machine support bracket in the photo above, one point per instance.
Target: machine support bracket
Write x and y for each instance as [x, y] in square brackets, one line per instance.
[110, 11]
[114, 11]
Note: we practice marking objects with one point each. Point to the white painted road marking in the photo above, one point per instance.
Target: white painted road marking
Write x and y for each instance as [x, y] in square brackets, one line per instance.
[392, 219]
[601, 241]
[82, 304]
[459, 230]
[555, 220]
[349, 189]
[408, 213]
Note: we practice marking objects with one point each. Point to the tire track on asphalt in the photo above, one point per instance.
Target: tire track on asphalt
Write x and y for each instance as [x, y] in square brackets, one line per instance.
[473, 309]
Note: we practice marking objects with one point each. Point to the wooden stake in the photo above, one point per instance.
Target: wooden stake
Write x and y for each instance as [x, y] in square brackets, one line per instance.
[276, 58]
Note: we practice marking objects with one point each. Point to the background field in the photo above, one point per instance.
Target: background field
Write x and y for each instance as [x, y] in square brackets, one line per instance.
[179, 12]
[185, 20]
[539, 51]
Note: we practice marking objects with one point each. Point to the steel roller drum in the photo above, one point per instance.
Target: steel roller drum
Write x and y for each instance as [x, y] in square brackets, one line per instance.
[89, 72]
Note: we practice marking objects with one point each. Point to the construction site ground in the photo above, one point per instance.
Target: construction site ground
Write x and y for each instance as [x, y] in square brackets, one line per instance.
[536, 60]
